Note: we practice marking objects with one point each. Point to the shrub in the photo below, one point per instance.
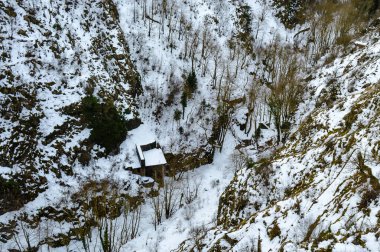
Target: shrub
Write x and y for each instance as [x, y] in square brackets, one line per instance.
[367, 197]
[291, 13]
[181, 130]
[109, 129]
[274, 231]
[177, 115]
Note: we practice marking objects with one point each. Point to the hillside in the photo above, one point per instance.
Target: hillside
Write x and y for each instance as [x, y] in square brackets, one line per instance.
[53, 56]
[266, 111]
[320, 190]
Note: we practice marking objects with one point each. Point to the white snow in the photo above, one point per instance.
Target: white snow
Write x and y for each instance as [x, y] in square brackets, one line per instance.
[154, 157]
[162, 66]
[213, 179]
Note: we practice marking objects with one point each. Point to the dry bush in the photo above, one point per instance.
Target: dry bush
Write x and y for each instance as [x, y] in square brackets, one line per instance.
[238, 160]
[196, 234]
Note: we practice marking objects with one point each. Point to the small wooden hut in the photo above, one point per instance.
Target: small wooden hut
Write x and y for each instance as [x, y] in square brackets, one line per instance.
[152, 161]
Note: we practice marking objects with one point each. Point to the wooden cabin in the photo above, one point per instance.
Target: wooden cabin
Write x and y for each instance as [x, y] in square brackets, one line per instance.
[152, 161]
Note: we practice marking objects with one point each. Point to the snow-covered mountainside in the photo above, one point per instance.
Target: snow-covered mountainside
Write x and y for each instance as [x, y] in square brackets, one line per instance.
[320, 191]
[52, 54]
[267, 112]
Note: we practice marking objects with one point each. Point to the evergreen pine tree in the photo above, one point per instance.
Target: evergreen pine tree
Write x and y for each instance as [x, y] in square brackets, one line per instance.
[177, 115]
[191, 82]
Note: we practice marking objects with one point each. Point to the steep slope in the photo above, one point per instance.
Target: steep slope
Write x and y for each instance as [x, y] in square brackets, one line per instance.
[58, 57]
[320, 191]
[53, 55]
[82, 82]
[172, 39]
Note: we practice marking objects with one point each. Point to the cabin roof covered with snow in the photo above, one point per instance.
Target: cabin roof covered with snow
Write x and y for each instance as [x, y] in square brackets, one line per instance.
[140, 152]
[154, 157]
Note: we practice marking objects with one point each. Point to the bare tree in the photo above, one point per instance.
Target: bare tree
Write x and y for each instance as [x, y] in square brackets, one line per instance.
[252, 105]
[107, 234]
[238, 160]
[225, 109]
[194, 49]
[190, 189]
[131, 215]
[156, 203]
[197, 233]
[207, 46]
[216, 57]
[171, 197]
[23, 240]
[281, 69]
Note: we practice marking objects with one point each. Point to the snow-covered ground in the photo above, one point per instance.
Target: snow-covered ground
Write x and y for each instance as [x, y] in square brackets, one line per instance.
[312, 181]
[160, 59]
[212, 180]
[317, 184]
